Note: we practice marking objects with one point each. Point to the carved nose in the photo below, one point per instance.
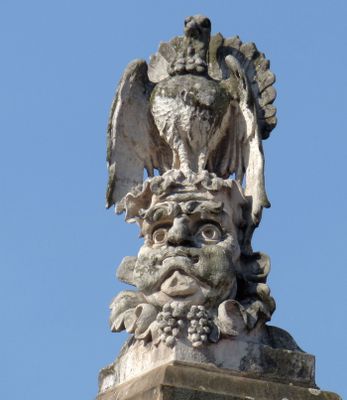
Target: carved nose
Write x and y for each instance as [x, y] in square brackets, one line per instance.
[179, 233]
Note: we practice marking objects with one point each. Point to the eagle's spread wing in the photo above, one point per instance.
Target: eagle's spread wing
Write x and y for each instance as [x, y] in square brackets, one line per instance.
[133, 143]
[245, 136]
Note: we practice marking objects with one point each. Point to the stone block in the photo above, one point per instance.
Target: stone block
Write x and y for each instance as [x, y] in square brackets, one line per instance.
[185, 381]
[246, 358]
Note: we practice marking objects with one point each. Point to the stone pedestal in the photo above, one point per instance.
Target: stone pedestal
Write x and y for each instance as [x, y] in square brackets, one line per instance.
[227, 370]
[254, 360]
[185, 381]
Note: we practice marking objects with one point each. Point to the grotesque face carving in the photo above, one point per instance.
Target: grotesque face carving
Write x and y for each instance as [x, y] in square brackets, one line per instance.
[190, 269]
[188, 255]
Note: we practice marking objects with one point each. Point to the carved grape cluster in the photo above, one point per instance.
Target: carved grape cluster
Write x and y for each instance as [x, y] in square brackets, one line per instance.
[199, 325]
[170, 324]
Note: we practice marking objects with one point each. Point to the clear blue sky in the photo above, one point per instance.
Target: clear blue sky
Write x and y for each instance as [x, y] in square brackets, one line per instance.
[59, 247]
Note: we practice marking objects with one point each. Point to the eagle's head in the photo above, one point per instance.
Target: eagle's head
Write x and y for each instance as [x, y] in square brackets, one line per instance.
[191, 57]
[198, 27]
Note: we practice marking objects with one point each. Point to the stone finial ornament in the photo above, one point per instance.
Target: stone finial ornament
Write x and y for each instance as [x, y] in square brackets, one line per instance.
[194, 119]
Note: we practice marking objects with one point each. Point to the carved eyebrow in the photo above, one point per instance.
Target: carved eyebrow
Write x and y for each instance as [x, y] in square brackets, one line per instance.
[162, 211]
[192, 207]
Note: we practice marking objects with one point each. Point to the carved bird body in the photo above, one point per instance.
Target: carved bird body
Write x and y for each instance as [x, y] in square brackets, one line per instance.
[188, 111]
[188, 107]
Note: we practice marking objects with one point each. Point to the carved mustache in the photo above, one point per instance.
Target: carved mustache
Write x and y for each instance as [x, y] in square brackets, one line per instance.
[177, 252]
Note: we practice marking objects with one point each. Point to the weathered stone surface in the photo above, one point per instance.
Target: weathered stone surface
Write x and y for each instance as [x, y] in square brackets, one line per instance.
[192, 278]
[245, 358]
[183, 381]
[200, 106]
[194, 119]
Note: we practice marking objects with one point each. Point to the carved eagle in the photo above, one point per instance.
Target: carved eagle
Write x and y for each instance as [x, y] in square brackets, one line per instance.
[203, 103]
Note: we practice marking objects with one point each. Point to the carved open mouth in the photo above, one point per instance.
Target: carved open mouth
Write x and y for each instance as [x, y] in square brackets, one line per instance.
[179, 284]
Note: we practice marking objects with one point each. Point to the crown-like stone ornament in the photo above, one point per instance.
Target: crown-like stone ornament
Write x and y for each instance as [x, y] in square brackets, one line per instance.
[194, 120]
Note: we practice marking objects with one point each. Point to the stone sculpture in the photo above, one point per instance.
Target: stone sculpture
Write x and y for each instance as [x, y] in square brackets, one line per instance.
[194, 119]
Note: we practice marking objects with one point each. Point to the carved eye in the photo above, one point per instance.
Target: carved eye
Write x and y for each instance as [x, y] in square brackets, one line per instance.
[159, 236]
[206, 23]
[209, 234]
